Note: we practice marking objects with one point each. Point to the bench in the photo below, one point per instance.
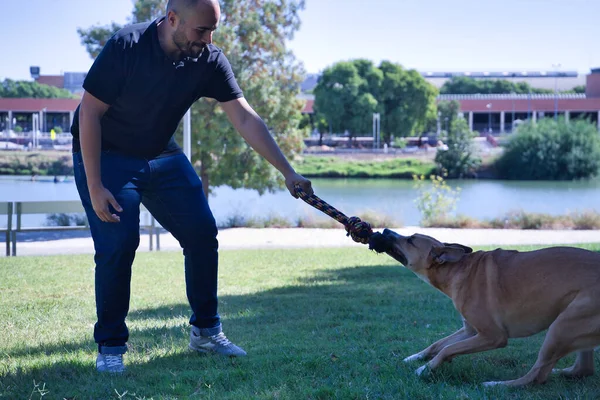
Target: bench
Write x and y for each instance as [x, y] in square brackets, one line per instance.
[6, 208]
[61, 207]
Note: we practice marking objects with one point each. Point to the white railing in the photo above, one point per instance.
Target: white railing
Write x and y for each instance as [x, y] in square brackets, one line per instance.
[14, 211]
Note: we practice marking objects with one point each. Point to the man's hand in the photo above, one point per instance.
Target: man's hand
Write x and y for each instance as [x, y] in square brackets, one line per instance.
[296, 179]
[101, 199]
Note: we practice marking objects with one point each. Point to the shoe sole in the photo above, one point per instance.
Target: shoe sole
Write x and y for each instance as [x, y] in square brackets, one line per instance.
[107, 371]
[207, 351]
[200, 350]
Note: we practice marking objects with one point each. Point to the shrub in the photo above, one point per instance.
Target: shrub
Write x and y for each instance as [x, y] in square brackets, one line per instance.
[551, 150]
[399, 142]
[63, 166]
[436, 202]
[276, 221]
[240, 221]
[586, 219]
[379, 220]
[520, 219]
[63, 219]
[458, 222]
[459, 161]
[526, 220]
[314, 222]
[234, 221]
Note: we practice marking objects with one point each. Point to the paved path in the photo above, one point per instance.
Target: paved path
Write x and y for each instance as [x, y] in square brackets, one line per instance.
[268, 238]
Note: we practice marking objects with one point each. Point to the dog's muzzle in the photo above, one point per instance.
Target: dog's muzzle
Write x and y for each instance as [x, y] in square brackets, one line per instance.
[380, 243]
[384, 243]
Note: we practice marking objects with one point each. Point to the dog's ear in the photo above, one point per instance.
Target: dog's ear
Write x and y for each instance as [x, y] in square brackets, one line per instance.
[441, 255]
[465, 248]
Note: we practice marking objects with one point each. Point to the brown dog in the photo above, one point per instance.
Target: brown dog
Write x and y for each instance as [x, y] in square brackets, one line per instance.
[504, 294]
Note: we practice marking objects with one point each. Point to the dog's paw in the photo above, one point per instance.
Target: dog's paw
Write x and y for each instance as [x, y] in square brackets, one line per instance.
[423, 370]
[414, 357]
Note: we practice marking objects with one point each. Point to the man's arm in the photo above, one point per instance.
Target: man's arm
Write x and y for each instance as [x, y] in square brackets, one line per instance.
[252, 128]
[91, 111]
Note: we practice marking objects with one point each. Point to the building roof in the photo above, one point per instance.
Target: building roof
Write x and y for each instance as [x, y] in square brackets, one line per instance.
[509, 96]
[36, 105]
[502, 74]
[524, 103]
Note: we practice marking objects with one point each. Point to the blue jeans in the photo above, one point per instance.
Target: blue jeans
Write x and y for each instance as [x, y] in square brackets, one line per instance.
[172, 191]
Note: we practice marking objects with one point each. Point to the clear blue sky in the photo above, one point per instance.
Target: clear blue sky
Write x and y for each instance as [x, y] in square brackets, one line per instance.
[435, 35]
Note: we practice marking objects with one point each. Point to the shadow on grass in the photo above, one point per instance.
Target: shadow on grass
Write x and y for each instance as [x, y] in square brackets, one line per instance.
[340, 334]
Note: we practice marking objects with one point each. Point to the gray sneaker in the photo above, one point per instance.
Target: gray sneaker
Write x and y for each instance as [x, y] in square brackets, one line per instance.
[216, 343]
[110, 363]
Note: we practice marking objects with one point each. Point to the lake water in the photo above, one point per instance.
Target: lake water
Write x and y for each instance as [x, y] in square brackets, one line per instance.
[482, 199]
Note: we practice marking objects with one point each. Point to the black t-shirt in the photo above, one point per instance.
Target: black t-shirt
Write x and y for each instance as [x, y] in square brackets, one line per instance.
[148, 93]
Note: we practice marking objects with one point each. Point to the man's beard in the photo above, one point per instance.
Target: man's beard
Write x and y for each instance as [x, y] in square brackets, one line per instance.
[186, 50]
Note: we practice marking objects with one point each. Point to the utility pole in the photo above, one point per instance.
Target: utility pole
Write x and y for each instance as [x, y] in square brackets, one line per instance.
[556, 67]
[376, 130]
[489, 107]
[187, 134]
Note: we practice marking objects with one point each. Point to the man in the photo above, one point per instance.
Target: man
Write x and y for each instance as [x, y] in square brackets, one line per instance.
[124, 154]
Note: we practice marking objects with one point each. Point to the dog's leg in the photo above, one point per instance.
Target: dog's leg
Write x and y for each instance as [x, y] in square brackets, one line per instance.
[464, 333]
[576, 328]
[474, 344]
[552, 350]
[584, 365]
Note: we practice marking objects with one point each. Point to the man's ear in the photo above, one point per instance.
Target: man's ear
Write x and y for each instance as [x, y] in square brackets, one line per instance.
[441, 255]
[465, 248]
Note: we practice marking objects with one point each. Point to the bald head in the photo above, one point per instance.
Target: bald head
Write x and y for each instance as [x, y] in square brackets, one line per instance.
[184, 6]
[189, 26]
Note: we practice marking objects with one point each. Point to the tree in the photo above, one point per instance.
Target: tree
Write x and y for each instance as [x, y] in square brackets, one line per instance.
[315, 122]
[407, 101]
[348, 93]
[459, 160]
[94, 38]
[252, 34]
[343, 97]
[448, 112]
[27, 89]
[467, 85]
[579, 89]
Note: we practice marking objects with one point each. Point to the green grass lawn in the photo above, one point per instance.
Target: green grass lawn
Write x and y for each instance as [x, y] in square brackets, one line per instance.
[334, 167]
[317, 324]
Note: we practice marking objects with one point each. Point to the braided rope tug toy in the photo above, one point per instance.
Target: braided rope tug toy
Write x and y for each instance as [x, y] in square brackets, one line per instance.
[358, 230]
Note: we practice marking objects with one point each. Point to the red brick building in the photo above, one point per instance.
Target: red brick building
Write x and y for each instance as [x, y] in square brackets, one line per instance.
[43, 114]
[497, 113]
